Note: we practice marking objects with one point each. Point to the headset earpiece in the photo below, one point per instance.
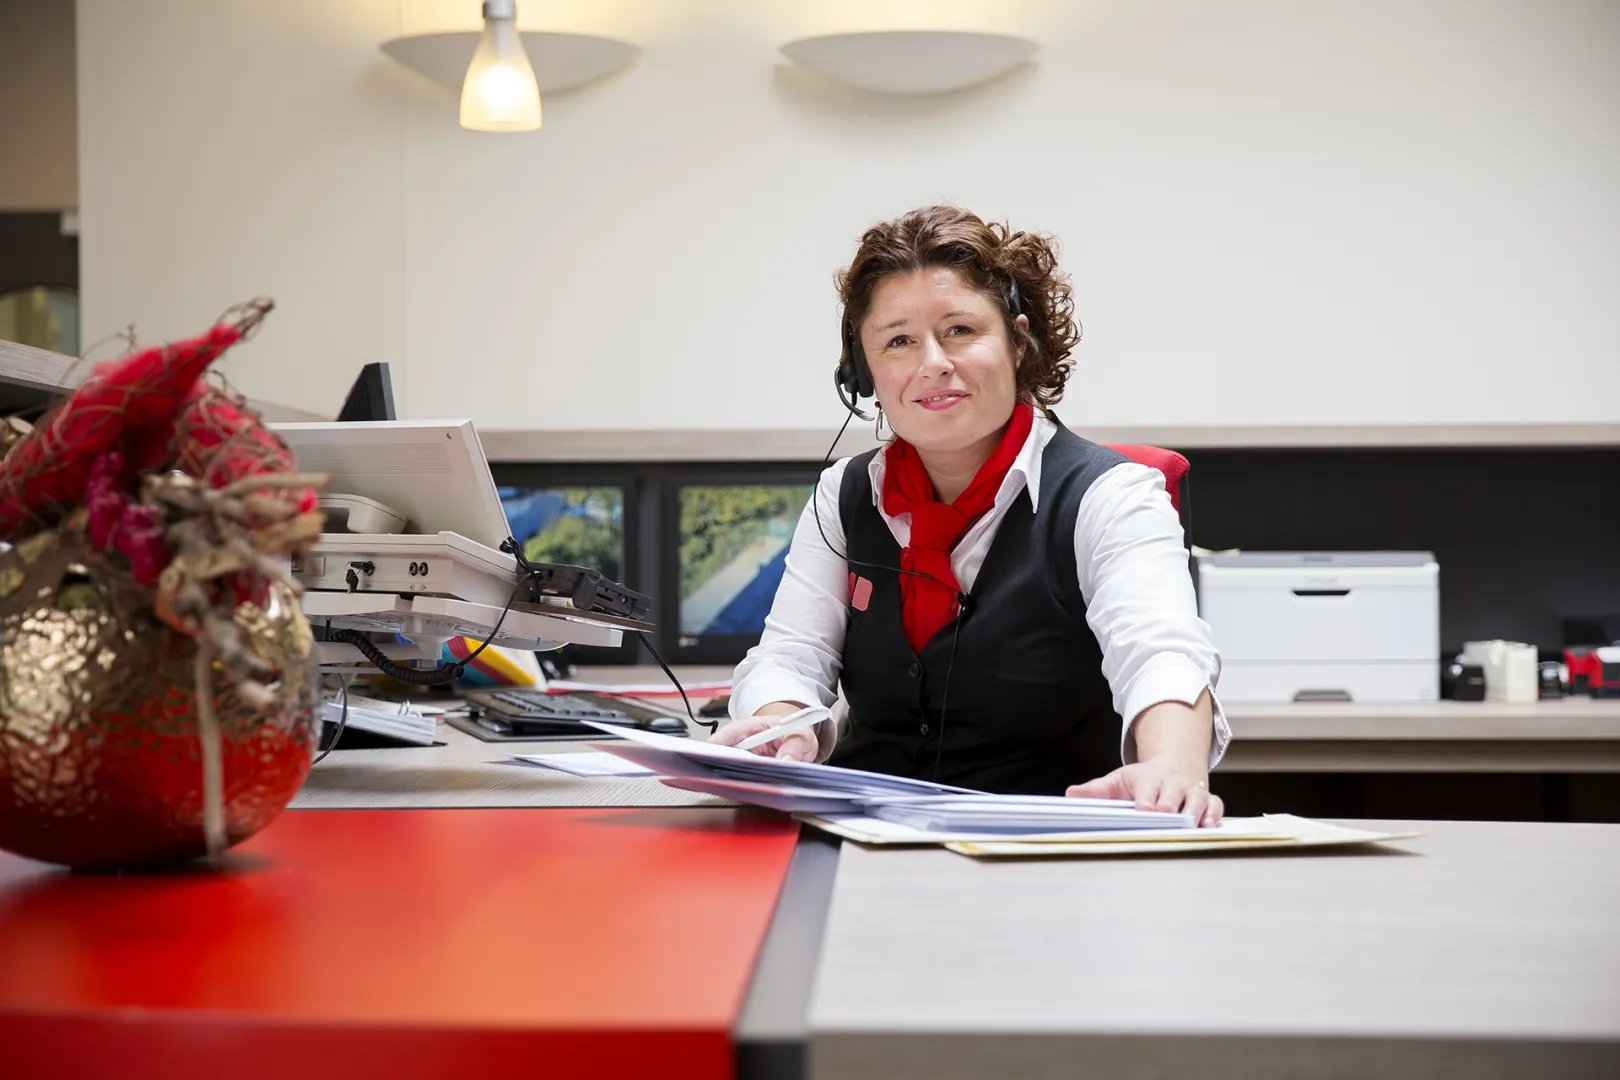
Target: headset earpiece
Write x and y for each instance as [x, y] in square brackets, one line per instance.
[1015, 308]
[856, 375]
[852, 377]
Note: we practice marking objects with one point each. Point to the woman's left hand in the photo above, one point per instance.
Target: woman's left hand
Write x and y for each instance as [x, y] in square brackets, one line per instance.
[1154, 785]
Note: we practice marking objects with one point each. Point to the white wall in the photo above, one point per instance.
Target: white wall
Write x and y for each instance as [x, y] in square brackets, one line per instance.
[1275, 212]
[229, 150]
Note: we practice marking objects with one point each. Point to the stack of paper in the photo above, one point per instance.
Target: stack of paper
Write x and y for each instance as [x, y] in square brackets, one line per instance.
[791, 786]
[808, 788]
[1019, 814]
[867, 829]
[873, 808]
[1271, 833]
[388, 718]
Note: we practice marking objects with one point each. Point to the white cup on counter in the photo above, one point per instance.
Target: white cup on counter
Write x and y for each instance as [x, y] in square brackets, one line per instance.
[1511, 670]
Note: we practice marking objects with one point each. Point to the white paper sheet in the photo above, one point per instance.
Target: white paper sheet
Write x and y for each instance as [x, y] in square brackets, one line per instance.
[689, 758]
[870, 830]
[789, 800]
[1006, 815]
[1291, 834]
[590, 763]
[405, 727]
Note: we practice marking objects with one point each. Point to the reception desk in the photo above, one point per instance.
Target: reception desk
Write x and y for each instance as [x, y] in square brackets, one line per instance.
[405, 944]
[432, 912]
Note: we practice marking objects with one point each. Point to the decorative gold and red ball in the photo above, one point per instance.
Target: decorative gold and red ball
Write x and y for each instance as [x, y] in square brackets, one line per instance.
[157, 697]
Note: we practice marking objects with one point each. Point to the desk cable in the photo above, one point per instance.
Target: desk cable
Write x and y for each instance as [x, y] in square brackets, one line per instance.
[343, 722]
[712, 725]
[451, 672]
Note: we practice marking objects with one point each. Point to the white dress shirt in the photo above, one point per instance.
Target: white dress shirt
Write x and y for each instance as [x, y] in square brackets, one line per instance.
[1131, 565]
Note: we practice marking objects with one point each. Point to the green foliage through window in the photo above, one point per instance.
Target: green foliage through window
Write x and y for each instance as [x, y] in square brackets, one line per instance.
[589, 532]
[718, 524]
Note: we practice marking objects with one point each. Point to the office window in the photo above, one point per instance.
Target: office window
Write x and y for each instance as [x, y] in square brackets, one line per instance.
[731, 544]
[580, 526]
[44, 316]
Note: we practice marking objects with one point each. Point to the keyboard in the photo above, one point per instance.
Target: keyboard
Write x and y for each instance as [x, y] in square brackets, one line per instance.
[517, 712]
[539, 705]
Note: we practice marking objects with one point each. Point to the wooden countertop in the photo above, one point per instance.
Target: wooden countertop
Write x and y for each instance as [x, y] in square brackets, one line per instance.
[1569, 718]
[1572, 735]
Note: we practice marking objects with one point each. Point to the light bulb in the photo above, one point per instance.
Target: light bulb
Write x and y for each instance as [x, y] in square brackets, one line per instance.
[499, 93]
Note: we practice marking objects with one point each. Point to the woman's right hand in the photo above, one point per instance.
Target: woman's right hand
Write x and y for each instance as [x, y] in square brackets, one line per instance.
[795, 746]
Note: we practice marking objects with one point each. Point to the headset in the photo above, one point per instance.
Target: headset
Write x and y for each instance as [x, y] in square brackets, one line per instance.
[853, 377]
[853, 380]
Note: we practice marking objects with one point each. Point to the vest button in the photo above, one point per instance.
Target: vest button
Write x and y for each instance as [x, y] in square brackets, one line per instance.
[923, 730]
[914, 670]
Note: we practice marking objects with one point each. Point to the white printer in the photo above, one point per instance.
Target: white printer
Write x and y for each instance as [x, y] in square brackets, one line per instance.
[1324, 626]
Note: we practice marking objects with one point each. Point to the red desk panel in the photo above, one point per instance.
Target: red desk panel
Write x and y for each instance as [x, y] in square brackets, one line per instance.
[425, 942]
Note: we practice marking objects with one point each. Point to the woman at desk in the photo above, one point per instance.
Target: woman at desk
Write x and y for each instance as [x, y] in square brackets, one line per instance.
[1007, 606]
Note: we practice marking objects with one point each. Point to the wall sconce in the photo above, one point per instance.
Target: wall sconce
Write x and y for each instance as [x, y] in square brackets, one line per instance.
[502, 72]
[911, 61]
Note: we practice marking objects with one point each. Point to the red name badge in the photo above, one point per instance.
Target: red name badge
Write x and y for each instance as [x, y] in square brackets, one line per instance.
[860, 592]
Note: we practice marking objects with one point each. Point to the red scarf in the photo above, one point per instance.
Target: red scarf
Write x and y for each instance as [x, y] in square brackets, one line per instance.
[929, 602]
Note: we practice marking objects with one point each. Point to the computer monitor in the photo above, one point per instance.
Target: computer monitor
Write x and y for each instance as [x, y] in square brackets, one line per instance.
[585, 521]
[731, 535]
[433, 472]
[370, 398]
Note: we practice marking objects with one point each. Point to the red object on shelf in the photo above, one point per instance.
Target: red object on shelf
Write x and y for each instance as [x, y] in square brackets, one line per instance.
[1585, 670]
[1603, 671]
[408, 943]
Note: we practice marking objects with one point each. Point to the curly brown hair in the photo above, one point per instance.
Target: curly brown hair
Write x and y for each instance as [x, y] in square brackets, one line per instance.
[993, 258]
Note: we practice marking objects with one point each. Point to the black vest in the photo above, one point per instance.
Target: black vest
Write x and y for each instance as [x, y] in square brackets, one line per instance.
[1027, 710]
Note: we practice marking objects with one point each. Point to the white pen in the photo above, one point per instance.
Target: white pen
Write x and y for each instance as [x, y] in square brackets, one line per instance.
[798, 721]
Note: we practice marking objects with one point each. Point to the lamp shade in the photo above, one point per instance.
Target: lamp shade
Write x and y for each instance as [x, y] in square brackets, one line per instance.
[499, 92]
[911, 61]
[561, 61]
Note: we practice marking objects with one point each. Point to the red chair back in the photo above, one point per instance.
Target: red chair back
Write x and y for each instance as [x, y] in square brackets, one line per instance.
[1171, 464]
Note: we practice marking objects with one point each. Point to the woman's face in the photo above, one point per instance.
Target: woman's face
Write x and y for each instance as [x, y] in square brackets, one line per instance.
[941, 360]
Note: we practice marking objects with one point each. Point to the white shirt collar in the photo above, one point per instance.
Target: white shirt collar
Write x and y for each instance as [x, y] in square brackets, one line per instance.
[1024, 472]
